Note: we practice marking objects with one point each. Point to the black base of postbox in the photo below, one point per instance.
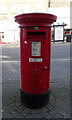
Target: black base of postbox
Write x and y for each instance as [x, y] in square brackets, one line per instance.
[34, 101]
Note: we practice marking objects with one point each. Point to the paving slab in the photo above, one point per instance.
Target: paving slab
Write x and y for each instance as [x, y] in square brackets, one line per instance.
[58, 106]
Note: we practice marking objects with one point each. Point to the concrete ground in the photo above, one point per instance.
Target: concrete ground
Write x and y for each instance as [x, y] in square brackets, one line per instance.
[59, 104]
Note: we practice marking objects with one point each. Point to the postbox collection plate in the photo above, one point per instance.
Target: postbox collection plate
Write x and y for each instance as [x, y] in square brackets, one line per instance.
[36, 48]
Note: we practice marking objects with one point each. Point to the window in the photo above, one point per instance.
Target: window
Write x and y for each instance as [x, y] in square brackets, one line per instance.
[39, 8]
[26, 8]
[15, 9]
[3, 9]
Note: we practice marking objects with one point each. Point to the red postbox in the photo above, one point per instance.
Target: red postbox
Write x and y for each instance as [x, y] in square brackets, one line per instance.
[35, 44]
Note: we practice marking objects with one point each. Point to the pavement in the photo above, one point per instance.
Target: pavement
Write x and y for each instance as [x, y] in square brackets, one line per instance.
[59, 104]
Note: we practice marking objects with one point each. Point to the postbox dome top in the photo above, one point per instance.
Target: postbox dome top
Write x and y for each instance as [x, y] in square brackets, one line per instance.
[35, 19]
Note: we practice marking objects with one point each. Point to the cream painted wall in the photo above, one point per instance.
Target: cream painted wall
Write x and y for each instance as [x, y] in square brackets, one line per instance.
[61, 8]
[63, 15]
[71, 15]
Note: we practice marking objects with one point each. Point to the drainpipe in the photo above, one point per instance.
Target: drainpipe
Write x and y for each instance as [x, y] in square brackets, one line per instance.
[49, 2]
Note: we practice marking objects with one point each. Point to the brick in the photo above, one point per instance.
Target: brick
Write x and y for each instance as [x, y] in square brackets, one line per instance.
[38, 116]
[6, 115]
[58, 116]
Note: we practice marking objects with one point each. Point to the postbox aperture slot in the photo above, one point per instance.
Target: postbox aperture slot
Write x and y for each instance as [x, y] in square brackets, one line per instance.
[36, 34]
[36, 48]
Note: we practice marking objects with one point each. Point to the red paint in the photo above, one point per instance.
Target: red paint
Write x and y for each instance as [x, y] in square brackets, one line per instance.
[67, 32]
[35, 76]
[2, 41]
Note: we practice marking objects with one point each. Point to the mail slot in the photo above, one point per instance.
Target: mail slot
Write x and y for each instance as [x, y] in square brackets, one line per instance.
[35, 47]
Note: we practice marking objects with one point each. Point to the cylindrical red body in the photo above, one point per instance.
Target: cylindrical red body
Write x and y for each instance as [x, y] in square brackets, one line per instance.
[35, 45]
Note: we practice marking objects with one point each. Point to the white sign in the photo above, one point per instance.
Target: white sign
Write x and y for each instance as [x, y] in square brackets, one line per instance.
[35, 59]
[36, 48]
[59, 33]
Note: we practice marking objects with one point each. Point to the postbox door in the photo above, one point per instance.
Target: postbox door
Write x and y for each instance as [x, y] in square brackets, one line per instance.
[36, 65]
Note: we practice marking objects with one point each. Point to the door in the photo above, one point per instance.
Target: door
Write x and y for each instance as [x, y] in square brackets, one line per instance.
[36, 64]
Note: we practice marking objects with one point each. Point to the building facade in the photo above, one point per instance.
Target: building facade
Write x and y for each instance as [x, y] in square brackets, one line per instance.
[9, 31]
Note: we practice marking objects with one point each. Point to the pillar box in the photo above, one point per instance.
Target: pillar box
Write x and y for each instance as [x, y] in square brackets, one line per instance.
[35, 45]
